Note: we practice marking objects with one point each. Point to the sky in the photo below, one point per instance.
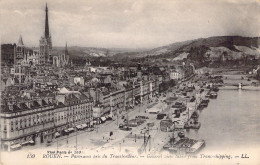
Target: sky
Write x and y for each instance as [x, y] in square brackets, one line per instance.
[127, 23]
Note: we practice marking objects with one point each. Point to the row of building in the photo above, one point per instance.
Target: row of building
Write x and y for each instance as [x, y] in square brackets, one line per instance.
[39, 118]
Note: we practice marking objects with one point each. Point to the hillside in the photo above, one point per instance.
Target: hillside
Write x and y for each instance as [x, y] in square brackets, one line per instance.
[213, 47]
[153, 52]
[233, 47]
[180, 50]
[91, 52]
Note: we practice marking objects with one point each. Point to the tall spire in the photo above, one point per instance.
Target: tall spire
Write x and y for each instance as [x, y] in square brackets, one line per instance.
[20, 42]
[46, 23]
[66, 49]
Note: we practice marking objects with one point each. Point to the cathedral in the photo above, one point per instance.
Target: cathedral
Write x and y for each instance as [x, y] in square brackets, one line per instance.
[47, 56]
[21, 55]
[46, 43]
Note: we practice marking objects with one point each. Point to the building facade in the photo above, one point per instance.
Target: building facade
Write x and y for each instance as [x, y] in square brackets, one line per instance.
[40, 119]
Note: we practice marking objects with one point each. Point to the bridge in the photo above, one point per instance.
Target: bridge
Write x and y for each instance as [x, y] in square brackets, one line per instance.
[240, 85]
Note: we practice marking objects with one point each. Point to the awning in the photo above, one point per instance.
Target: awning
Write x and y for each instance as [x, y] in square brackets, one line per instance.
[57, 134]
[103, 118]
[70, 129]
[24, 143]
[16, 146]
[31, 142]
[154, 110]
[79, 127]
[84, 126]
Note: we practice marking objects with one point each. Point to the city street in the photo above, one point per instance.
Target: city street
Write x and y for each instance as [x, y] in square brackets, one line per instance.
[99, 139]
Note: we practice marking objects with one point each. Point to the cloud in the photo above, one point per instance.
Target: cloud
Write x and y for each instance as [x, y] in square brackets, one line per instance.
[128, 23]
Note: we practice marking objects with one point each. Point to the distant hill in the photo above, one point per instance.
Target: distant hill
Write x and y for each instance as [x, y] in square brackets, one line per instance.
[224, 41]
[153, 52]
[216, 46]
[234, 46]
[180, 50]
[89, 52]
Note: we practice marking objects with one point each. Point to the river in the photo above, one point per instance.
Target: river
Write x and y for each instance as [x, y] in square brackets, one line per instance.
[232, 121]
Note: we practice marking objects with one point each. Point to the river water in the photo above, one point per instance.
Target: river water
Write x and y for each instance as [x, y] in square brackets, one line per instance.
[232, 121]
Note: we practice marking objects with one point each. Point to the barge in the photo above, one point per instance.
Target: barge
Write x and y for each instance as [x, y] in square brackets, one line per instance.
[184, 144]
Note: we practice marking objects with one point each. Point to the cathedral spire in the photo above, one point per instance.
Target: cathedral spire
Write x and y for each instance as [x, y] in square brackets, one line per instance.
[66, 49]
[20, 42]
[46, 23]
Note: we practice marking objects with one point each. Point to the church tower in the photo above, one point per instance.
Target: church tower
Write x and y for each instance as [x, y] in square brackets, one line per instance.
[20, 52]
[46, 43]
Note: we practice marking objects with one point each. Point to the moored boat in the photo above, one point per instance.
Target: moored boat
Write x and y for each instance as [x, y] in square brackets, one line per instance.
[213, 95]
[215, 89]
[192, 126]
[183, 144]
[195, 114]
[196, 147]
[207, 95]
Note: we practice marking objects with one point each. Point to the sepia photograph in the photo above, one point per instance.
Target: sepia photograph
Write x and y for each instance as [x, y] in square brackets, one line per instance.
[130, 82]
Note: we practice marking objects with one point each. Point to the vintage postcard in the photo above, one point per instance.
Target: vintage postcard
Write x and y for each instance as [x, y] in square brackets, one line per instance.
[130, 82]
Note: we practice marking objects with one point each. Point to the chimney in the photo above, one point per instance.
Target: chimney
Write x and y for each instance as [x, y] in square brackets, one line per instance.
[50, 100]
[46, 100]
[28, 103]
[18, 104]
[10, 106]
[39, 100]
